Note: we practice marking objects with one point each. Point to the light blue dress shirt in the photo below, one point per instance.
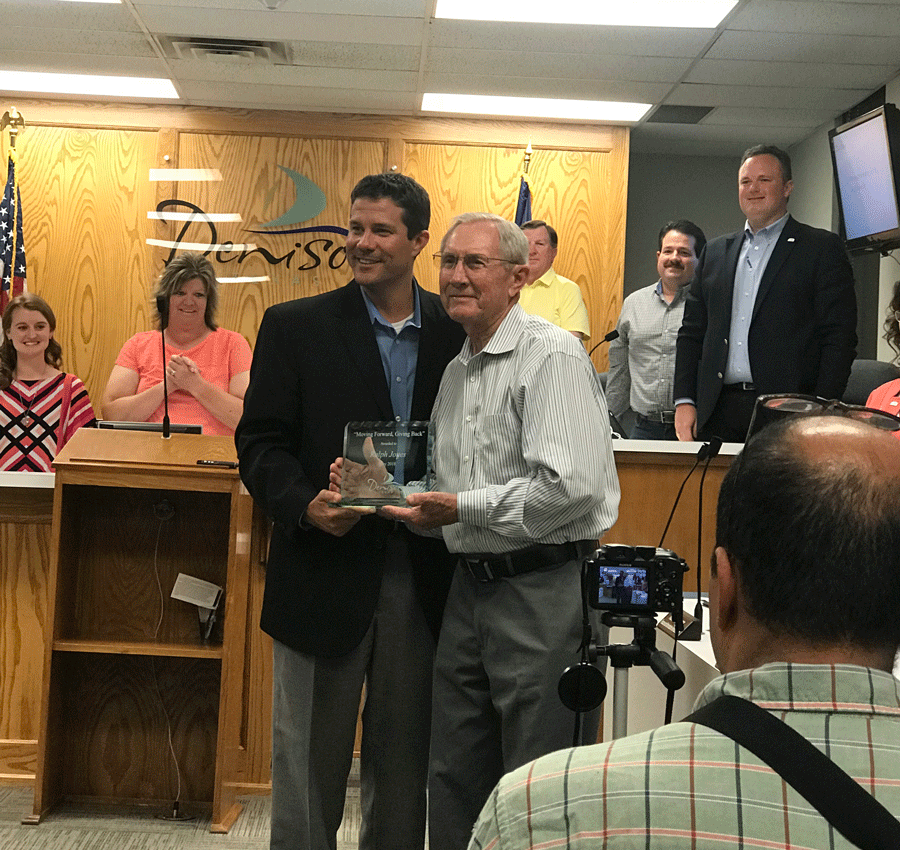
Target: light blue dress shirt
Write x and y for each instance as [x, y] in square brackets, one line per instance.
[399, 351]
[756, 250]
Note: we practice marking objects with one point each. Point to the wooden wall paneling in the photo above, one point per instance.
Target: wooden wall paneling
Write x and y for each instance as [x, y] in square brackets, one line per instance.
[24, 561]
[128, 559]
[116, 746]
[649, 485]
[423, 128]
[253, 185]
[461, 178]
[85, 195]
[581, 193]
[83, 171]
[165, 231]
[255, 771]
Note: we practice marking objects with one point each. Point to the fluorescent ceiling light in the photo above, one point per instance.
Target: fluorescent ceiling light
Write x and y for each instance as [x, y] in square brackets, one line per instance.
[611, 13]
[534, 107]
[86, 84]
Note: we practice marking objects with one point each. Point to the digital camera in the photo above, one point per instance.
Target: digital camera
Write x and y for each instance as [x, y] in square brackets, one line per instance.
[635, 579]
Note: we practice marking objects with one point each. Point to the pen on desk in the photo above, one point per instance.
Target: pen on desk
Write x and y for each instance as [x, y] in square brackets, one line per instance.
[228, 464]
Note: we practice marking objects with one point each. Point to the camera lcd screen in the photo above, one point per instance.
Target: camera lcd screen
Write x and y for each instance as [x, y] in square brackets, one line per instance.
[621, 587]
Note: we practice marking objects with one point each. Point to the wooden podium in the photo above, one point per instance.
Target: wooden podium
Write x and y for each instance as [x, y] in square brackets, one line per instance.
[136, 707]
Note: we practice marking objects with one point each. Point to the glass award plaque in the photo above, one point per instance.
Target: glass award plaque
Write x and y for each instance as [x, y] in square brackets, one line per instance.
[379, 457]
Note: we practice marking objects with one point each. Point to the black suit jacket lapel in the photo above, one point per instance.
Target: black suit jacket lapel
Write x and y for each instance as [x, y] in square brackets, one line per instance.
[780, 253]
[720, 319]
[732, 255]
[359, 338]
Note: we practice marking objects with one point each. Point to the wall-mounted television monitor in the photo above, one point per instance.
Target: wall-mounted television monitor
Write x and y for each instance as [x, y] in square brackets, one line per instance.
[174, 427]
[865, 154]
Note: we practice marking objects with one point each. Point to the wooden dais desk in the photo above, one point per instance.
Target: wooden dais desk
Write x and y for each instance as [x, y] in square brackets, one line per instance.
[650, 473]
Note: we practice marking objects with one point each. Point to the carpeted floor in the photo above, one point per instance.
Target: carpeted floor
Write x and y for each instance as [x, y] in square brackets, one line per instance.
[105, 828]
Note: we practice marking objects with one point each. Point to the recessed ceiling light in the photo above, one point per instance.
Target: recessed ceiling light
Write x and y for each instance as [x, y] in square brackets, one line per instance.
[613, 13]
[534, 107]
[86, 84]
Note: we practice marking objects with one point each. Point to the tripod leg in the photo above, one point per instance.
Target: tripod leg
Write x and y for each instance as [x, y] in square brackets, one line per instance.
[620, 702]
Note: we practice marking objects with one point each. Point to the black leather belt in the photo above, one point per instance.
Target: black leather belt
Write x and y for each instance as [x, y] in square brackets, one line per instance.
[494, 567]
[666, 417]
[741, 386]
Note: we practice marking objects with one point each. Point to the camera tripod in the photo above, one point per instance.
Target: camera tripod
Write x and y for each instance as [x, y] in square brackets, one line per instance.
[641, 651]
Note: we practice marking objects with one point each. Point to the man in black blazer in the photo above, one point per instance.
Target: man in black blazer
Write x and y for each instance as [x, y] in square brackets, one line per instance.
[350, 597]
[771, 309]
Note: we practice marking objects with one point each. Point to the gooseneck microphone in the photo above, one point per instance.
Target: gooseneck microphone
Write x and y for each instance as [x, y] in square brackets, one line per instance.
[707, 452]
[162, 306]
[613, 334]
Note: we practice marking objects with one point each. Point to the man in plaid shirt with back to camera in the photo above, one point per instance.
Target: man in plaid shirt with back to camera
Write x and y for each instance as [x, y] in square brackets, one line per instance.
[804, 600]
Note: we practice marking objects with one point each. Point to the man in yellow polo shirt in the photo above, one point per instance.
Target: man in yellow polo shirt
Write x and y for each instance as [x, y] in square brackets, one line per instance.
[547, 294]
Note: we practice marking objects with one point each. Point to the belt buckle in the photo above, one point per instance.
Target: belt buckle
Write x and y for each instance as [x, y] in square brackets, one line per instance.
[479, 569]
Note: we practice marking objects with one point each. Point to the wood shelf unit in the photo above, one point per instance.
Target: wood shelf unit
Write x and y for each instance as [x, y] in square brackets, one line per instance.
[105, 647]
[126, 670]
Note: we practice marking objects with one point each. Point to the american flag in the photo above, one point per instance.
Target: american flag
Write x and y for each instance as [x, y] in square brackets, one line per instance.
[523, 205]
[12, 248]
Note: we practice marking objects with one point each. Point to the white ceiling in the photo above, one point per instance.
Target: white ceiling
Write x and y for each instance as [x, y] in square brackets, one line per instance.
[773, 71]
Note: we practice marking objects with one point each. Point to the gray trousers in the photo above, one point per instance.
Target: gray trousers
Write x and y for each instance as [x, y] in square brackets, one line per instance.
[315, 704]
[502, 649]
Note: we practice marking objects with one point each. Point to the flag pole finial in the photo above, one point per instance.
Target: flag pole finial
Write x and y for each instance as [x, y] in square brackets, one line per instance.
[13, 120]
[528, 153]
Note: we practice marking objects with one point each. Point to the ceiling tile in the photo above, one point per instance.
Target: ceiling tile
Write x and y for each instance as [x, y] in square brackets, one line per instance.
[561, 65]
[817, 16]
[801, 74]
[91, 42]
[259, 23]
[806, 47]
[537, 38]
[616, 90]
[363, 56]
[260, 74]
[69, 63]
[768, 117]
[782, 97]
[786, 66]
[304, 99]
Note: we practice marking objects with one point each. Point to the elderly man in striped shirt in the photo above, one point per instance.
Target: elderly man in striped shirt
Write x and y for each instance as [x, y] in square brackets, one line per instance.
[804, 596]
[526, 485]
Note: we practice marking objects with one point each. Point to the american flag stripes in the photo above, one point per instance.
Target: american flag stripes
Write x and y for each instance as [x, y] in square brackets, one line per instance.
[12, 247]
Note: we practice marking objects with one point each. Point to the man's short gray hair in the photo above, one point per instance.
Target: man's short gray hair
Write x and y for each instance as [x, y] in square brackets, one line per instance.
[513, 244]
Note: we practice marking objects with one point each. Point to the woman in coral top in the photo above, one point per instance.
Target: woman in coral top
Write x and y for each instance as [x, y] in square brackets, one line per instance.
[207, 367]
[887, 396]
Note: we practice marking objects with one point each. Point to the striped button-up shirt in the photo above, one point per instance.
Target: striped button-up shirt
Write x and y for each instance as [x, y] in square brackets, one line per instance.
[522, 437]
[686, 786]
